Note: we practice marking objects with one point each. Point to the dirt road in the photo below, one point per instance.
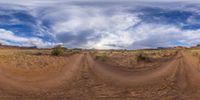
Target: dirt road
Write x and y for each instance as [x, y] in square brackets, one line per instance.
[128, 78]
[85, 79]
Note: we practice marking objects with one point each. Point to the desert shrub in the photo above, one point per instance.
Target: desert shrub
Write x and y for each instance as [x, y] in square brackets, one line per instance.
[142, 57]
[38, 54]
[57, 51]
[101, 57]
[195, 54]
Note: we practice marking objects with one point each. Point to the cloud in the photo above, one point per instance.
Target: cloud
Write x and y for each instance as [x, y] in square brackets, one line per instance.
[156, 35]
[94, 24]
[46, 2]
[88, 27]
[9, 38]
[127, 27]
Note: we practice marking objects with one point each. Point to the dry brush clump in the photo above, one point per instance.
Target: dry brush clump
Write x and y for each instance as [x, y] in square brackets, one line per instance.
[142, 57]
[195, 53]
[101, 57]
[156, 54]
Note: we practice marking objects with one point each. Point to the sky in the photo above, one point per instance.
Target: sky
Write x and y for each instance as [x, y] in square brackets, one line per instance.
[100, 24]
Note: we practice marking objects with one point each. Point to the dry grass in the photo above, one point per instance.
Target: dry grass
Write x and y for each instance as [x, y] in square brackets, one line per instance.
[26, 63]
[133, 59]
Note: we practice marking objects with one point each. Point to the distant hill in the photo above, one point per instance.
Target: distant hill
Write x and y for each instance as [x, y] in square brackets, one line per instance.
[176, 47]
[16, 47]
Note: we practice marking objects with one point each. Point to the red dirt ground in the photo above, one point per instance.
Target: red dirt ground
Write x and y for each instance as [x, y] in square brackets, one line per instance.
[83, 78]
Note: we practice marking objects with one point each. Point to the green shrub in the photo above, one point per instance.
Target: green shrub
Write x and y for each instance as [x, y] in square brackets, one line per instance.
[57, 51]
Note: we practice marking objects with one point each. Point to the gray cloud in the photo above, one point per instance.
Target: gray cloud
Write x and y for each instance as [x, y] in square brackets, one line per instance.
[118, 25]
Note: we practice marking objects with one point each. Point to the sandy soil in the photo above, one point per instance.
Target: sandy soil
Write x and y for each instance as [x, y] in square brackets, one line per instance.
[83, 78]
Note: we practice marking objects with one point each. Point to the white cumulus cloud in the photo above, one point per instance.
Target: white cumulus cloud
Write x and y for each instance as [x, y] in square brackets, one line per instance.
[9, 38]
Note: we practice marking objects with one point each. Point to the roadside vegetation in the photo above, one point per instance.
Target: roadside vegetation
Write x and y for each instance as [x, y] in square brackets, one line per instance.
[195, 53]
[57, 51]
[133, 59]
[101, 57]
[141, 56]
